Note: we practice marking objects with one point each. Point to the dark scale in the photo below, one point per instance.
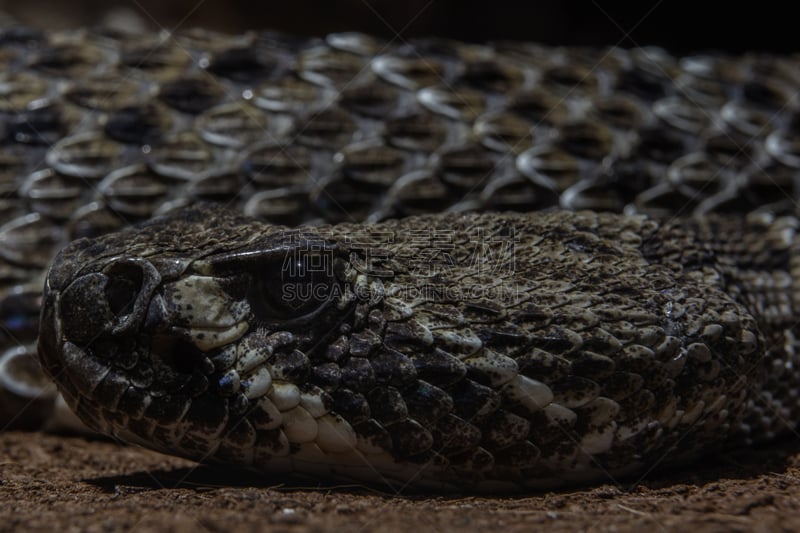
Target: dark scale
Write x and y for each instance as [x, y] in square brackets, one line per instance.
[603, 334]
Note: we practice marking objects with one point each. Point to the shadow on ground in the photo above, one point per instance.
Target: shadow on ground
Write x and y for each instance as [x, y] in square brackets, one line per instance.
[739, 464]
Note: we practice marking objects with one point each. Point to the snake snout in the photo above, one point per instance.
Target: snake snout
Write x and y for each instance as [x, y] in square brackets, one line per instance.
[83, 310]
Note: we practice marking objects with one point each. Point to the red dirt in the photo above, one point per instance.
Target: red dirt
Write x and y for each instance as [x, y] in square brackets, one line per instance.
[60, 483]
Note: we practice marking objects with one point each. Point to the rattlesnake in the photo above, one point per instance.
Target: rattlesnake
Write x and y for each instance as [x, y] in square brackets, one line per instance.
[531, 350]
[103, 130]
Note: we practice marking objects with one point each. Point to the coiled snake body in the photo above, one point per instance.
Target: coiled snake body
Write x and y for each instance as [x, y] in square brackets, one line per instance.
[447, 350]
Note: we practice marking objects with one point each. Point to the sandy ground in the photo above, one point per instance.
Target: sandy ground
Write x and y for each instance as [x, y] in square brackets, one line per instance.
[60, 483]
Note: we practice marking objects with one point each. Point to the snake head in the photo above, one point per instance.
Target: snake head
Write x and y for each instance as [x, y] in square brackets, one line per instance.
[186, 338]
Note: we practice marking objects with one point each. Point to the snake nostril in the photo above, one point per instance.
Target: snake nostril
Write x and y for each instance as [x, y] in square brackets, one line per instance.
[113, 300]
[124, 284]
[130, 283]
[123, 287]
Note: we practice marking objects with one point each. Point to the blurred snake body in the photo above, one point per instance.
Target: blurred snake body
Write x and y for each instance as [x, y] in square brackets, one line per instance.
[430, 264]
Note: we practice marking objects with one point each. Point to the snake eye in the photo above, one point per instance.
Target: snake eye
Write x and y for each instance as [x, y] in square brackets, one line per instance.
[298, 287]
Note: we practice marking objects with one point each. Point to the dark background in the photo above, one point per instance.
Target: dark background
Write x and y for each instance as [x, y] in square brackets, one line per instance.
[680, 26]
